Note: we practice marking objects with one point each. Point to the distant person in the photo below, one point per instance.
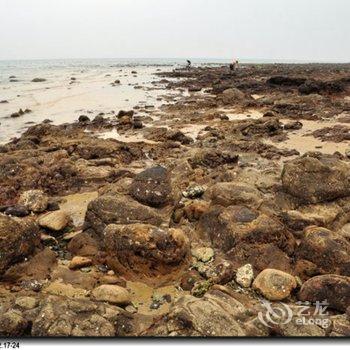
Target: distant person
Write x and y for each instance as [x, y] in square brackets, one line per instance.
[236, 64]
[189, 63]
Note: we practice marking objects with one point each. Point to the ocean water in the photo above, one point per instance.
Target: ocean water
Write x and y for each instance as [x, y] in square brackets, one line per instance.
[62, 100]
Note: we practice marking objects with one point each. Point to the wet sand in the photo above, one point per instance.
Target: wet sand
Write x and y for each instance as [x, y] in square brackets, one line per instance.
[63, 100]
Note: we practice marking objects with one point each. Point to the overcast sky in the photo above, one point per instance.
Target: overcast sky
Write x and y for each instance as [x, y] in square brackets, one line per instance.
[314, 30]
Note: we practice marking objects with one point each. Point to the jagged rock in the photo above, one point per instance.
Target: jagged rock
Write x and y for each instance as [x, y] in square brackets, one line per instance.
[340, 326]
[12, 324]
[145, 249]
[203, 254]
[245, 275]
[219, 271]
[59, 316]
[216, 314]
[34, 200]
[315, 180]
[111, 294]
[326, 249]
[194, 191]
[55, 221]
[179, 136]
[107, 210]
[152, 187]
[274, 284]
[17, 240]
[333, 288]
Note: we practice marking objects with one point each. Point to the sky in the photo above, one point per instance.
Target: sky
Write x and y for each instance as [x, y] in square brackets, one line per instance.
[310, 30]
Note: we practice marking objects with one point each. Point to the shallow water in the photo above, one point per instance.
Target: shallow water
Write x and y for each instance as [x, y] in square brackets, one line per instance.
[114, 134]
[249, 114]
[302, 142]
[62, 100]
[142, 297]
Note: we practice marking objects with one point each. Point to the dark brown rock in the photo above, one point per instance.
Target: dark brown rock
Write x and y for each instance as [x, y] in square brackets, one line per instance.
[260, 256]
[107, 210]
[327, 250]
[315, 180]
[17, 240]
[333, 288]
[152, 187]
[227, 227]
[212, 158]
[145, 249]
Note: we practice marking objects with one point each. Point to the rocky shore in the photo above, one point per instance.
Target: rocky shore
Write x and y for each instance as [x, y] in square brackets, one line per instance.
[223, 212]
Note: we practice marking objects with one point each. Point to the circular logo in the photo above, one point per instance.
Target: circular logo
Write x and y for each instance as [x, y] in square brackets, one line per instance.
[276, 314]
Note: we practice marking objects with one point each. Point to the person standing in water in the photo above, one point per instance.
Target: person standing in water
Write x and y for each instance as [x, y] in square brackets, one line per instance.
[189, 64]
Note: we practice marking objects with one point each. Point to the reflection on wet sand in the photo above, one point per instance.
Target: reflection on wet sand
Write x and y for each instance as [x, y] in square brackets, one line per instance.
[92, 91]
[303, 141]
[114, 134]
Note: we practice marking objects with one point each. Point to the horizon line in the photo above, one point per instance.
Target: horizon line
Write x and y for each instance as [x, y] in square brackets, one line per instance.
[257, 60]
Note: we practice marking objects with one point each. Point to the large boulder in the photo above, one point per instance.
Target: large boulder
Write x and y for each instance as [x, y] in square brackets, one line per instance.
[227, 227]
[260, 256]
[333, 288]
[229, 193]
[315, 179]
[152, 187]
[274, 284]
[62, 316]
[145, 249]
[17, 240]
[326, 249]
[217, 314]
[123, 210]
[232, 96]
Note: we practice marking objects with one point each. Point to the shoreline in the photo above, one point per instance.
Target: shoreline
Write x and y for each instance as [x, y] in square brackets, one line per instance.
[174, 217]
